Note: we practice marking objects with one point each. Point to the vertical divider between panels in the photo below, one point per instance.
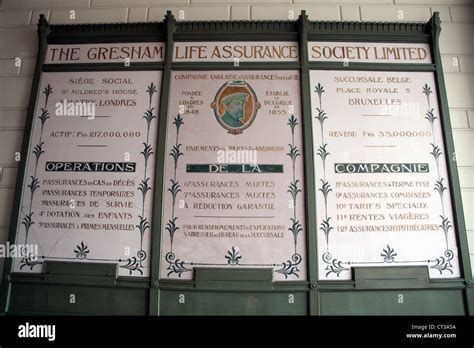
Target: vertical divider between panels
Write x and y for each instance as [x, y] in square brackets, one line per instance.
[170, 26]
[311, 228]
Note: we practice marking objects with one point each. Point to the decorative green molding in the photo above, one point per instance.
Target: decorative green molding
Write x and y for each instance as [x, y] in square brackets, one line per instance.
[115, 32]
[358, 28]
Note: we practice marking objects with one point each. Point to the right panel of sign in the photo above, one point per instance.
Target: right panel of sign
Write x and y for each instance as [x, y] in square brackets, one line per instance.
[382, 186]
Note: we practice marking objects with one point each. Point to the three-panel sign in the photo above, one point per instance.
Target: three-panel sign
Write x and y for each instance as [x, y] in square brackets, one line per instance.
[234, 180]
[274, 167]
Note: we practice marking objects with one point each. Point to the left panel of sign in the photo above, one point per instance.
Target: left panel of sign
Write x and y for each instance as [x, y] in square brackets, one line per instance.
[88, 187]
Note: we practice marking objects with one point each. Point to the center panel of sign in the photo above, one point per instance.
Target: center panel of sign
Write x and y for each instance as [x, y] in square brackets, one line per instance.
[236, 198]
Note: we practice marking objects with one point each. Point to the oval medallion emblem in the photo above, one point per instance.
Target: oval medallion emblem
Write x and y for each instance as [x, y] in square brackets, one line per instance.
[235, 106]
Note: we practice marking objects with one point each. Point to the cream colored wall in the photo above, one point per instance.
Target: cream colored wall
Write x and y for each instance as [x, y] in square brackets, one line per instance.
[18, 20]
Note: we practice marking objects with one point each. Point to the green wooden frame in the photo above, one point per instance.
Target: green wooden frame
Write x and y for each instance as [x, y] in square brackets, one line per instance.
[153, 294]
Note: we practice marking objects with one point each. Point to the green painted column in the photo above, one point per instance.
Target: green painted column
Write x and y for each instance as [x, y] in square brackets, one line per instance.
[310, 199]
[170, 25]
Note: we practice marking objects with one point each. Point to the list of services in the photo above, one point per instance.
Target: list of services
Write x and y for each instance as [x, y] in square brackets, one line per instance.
[89, 181]
[382, 185]
[234, 174]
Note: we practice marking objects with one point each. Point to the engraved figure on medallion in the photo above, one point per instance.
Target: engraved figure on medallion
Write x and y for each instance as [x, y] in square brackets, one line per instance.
[235, 106]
